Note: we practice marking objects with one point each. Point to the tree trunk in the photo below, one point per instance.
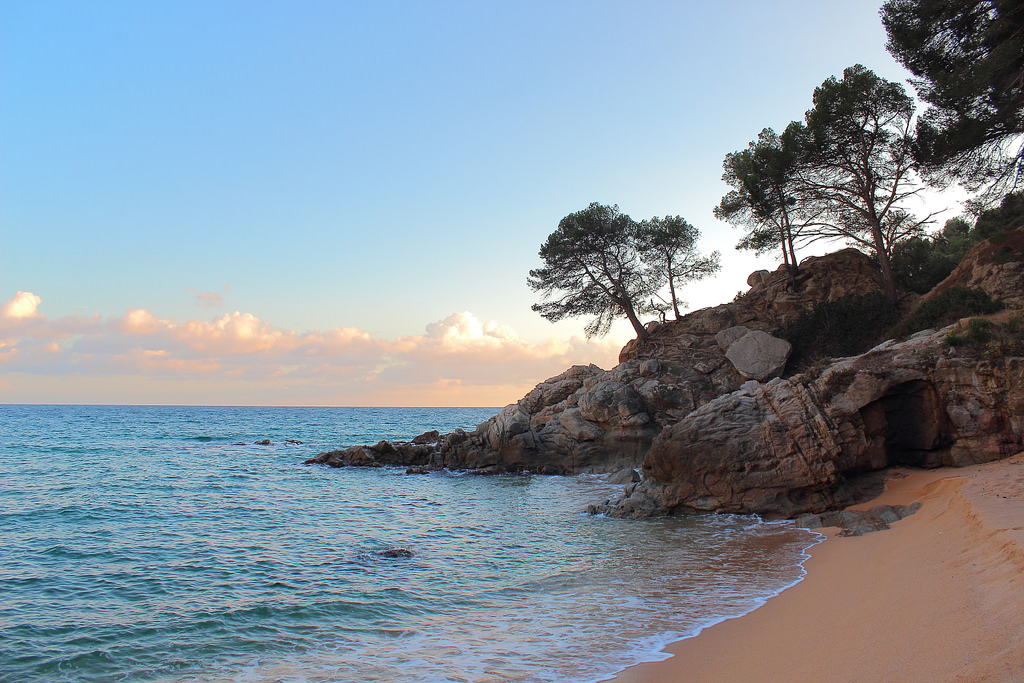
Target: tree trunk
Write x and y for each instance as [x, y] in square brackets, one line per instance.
[672, 293]
[786, 228]
[641, 332]
[888, 279]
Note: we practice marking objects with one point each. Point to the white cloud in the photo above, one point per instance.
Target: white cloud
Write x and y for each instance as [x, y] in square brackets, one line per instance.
[21, 305]
[457, 360]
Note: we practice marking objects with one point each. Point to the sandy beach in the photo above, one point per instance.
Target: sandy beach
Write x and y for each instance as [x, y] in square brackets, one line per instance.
[937, 597]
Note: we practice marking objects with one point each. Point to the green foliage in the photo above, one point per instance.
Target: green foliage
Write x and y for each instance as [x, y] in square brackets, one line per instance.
[946, 307]
[968, 56]
[600, 262]
[920, 263]
[979, 330]
[1008, 216]
[994, 341]
[591, 267]
[670, 244]
[856, 163]
[955, 338]
[764, 182]
[844, 327]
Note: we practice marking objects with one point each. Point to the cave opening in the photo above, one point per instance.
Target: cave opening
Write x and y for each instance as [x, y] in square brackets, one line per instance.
[911, 420]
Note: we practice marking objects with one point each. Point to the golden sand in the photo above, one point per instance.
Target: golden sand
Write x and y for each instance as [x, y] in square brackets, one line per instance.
[938, 597]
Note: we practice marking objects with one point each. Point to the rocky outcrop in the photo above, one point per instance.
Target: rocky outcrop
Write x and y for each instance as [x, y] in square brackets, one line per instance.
[798, 445]
[995, 266]
[584, 420]
[773, 300]
[593, 420]
[701, 409]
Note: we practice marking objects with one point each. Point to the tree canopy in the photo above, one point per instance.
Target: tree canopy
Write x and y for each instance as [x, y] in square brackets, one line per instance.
[968, 56]
[670, 244]
[600, 262]
[763, 199]
[856, 165]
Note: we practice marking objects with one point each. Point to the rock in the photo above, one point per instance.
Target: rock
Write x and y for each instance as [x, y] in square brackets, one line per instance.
[758, 355]
[730, 336]
[395, 553]
[859, 522]
[432, 436]
[613, 403]
[418, 470]
[626, 475]
[757, 278]
[995, 266]
[798, 445]
[360, 457]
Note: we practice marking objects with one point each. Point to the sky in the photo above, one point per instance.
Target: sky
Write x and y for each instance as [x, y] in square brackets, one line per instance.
[337, 203]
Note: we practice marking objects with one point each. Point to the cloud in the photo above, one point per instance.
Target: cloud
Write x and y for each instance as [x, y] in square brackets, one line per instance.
[459, 360]
[21, 305]
[209, 299]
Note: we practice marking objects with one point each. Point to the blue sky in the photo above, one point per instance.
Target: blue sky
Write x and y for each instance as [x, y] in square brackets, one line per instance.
[370, 166]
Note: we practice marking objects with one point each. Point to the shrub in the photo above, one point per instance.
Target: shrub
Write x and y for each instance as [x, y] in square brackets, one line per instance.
[920, 263]
[994, 341]
[979, 330]
[947, 307]
[844, 327]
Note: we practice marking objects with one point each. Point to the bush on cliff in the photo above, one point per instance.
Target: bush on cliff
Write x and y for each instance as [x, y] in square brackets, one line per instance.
[920, 263]
[947, 307]
[995, 341]
[844, 327]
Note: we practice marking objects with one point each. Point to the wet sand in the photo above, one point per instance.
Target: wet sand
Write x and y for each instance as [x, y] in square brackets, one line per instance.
[937, 597]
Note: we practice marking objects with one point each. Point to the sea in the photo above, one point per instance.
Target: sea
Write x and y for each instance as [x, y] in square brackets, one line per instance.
[160, 543]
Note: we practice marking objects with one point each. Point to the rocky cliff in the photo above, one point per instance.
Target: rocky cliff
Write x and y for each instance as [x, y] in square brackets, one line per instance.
[702, 408]
[798, 445]
[593, 420]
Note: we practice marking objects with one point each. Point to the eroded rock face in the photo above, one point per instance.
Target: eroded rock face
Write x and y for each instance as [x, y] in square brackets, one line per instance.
[995, 266]
[796, 445]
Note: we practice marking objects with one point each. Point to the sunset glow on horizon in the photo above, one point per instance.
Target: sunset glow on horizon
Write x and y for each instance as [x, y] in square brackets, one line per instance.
[238, 359]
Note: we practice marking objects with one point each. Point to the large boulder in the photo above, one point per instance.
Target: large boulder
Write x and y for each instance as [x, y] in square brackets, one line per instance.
[755, 354]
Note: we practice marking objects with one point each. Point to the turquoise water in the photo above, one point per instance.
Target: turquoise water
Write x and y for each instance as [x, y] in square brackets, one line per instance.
[162, 544]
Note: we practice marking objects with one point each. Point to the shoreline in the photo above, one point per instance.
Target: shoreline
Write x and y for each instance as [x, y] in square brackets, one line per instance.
[939, 596]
